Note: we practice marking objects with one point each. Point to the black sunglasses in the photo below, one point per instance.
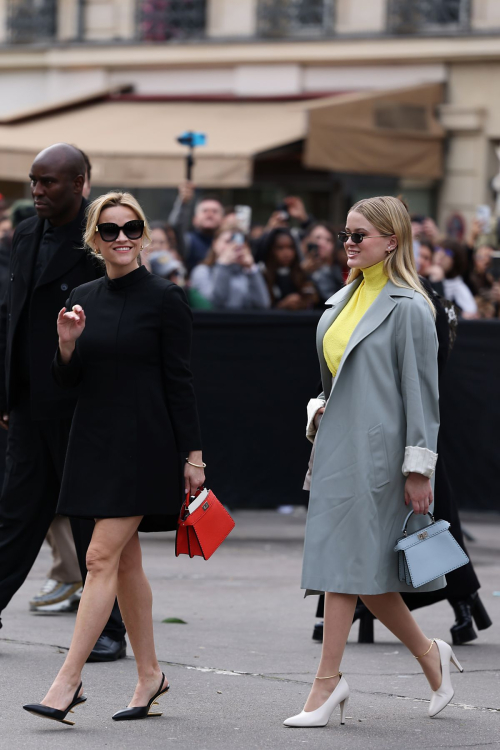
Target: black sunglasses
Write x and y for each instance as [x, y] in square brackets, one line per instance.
[110, 232]
[357, 237]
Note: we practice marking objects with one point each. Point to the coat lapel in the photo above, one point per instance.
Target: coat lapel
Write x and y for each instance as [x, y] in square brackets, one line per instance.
[338, 302]
[68, 253]
[28, 255]
[378, 312]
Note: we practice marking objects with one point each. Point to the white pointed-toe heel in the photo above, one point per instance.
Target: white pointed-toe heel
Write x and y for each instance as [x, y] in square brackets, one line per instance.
[321, 716]
[443, 695]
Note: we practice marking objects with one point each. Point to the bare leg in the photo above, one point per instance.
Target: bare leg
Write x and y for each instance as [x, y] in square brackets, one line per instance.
[392, 612]
[108, 540]
[339, 611]
[136, 602]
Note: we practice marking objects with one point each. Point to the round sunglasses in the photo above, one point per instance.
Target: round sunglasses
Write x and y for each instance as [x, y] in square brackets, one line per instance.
[357, 237]
[110, 232]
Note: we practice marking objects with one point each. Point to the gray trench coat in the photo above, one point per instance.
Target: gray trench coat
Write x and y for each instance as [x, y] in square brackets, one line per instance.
[381, 419]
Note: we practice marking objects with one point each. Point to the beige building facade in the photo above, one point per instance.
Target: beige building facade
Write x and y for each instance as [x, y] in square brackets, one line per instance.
[52, 51]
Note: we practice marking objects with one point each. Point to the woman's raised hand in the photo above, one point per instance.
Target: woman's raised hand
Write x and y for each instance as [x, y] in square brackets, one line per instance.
[70, 325]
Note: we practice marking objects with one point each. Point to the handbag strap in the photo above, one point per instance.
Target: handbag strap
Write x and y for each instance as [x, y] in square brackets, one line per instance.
[405, 533]
[190, 498]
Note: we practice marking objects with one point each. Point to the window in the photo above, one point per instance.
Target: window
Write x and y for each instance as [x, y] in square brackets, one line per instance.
[161, 20]
[30, 21]
[417, 16]
[287, 18]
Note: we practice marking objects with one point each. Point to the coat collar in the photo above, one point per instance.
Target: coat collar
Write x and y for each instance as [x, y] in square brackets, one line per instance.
[66, 256]
[378, 312]
[344, 294]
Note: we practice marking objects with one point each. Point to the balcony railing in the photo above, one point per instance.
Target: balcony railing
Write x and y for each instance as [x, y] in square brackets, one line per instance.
[30, 21]
[163, 20]
[421, 16]
[295, 18]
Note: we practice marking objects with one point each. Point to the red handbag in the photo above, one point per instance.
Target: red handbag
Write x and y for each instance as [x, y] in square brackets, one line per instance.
[203, 525]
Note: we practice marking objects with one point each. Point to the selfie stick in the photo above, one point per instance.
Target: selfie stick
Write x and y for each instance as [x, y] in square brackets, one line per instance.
[191, 140]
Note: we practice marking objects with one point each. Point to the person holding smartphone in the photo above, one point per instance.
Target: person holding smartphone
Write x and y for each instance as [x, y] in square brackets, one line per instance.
[320, 260]
[229, 278]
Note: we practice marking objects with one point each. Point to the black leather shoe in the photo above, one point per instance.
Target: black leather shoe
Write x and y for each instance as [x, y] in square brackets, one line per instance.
[106, 649]
[46, 712]
[142, 712]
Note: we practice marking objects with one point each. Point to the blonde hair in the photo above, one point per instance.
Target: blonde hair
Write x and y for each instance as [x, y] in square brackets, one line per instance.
[114, 198]
[390, 216]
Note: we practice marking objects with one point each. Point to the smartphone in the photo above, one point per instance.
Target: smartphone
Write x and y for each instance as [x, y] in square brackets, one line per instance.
[495, 264]
[243, 217]
[313, 249]
[283, 209]
[238, 238]
[483, 215]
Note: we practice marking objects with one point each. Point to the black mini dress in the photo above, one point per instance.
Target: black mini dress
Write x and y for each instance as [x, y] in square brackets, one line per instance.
[136, 416]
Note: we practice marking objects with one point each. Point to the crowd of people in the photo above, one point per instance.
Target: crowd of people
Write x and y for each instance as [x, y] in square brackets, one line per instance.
[294, 261]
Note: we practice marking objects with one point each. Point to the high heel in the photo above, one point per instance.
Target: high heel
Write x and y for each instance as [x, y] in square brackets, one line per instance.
[443, 695]
[479, 613]
[142, 712]
[46, 712]
[321, 716]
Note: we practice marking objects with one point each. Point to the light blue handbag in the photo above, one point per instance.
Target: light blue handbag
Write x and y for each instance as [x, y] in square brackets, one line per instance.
[428, 553]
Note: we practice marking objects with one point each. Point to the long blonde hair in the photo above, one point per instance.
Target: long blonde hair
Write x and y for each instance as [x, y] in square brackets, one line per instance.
[390, 216]
[114, 198]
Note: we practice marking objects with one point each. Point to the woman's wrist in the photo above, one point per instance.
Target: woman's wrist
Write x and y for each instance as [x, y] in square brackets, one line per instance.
[66, 350]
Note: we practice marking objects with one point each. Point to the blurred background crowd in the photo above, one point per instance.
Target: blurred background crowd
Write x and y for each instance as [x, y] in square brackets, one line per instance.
[295, 260]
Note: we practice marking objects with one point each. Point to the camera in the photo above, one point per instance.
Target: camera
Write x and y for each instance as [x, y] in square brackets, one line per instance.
[283, 209]
[192, 139]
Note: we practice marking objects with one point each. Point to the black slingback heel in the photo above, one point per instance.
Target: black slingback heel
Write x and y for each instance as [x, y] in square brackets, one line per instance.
[142, 712]
[46, 712]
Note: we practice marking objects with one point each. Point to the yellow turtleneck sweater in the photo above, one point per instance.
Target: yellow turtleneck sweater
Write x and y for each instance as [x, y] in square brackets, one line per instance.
[338, 335]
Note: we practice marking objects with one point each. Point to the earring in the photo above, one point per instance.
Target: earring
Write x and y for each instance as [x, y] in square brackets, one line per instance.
[96, 251]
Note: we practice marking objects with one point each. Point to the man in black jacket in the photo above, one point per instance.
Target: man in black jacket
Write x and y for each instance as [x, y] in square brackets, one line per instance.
[47, 261]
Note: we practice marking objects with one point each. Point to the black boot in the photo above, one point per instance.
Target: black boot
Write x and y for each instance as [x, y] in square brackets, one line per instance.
[365, 617]
[479, 613]
[463, 629]
[318, 632]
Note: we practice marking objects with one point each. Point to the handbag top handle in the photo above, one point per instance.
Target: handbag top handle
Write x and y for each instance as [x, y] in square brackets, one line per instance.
[405, 533]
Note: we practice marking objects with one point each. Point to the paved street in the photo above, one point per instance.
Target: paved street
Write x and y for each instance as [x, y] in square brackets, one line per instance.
[245, 659]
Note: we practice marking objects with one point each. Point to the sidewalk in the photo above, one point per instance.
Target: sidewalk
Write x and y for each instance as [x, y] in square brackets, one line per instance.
[245, 659]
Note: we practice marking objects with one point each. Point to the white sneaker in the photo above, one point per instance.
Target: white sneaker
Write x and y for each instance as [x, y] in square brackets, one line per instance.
[56, 596]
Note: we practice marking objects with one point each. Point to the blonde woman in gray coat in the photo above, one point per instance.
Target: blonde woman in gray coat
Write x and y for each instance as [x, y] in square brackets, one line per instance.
[375, 450]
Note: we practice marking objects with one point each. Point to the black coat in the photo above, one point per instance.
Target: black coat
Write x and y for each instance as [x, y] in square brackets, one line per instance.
[136, 411]
[69, 267]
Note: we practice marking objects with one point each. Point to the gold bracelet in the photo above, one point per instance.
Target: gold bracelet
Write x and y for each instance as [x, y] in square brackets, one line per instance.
[198, 466]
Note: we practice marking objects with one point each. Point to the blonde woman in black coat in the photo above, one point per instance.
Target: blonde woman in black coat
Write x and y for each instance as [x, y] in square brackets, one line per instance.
[125, 341]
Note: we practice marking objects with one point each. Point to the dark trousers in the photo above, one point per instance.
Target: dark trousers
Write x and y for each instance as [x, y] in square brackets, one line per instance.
[34, 465]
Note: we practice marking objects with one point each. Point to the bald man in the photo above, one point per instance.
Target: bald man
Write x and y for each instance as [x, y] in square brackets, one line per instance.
[47, 262]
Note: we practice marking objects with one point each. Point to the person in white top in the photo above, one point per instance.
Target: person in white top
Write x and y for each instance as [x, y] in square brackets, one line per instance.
[452, 258]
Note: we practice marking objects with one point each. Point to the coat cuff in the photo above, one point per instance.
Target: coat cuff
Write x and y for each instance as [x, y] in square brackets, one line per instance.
[419, 460]
[312, 409]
